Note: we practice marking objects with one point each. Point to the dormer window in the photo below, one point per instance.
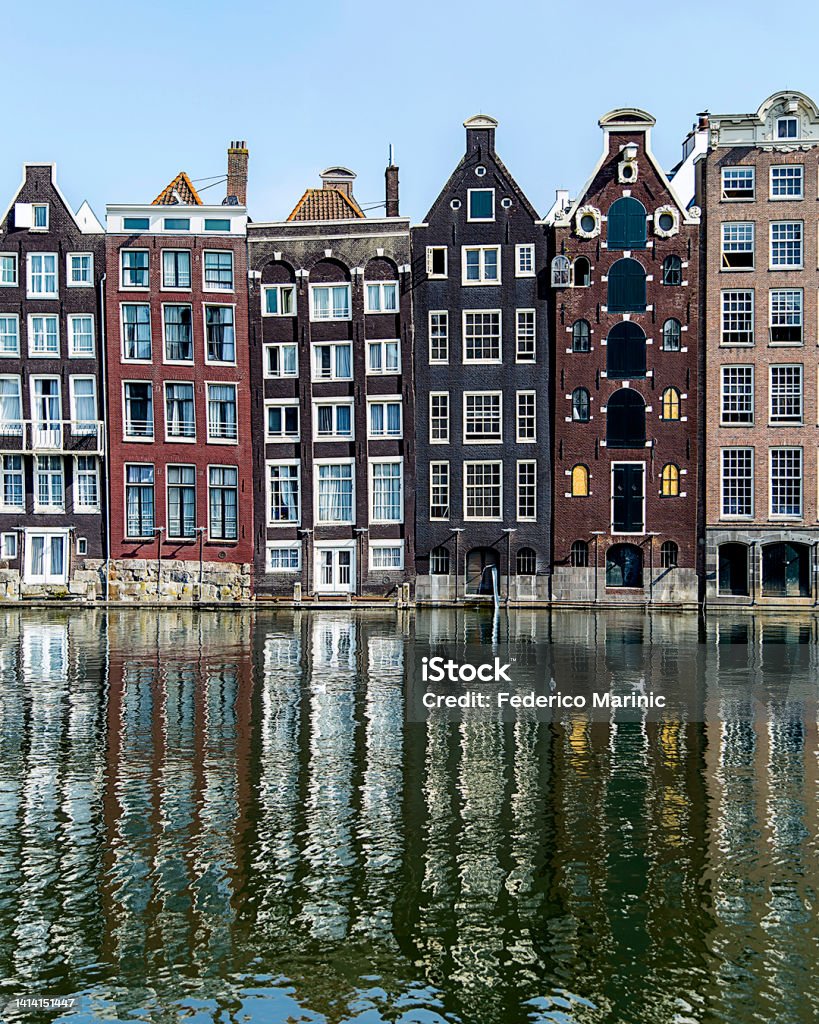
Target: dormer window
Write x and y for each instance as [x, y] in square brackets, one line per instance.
[787, 128]
[481, 204]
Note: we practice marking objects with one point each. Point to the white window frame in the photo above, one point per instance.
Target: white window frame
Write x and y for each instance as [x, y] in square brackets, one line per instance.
[22, 474]
[801, 478]
[740, 516]
[218, 305]
[523, 438]
[12, 353]
[445, 395]
[444, 313]
[529, 464]
[786, 266]
[520, 249]
[85, 509]
[482, 312]
[335, 404]
[397, 460]
[314, 346]
[724, 422]
[482, 279]
[14, 431]
[69, 270]
[789, 167]
[222, 440]
[385, 400]
[318, 463]
[786, 422]
[801, 325]
[497, 400]
[84, 430]
[140, 465]
[123, 287]
[282, 545]
[380, 285]
[382, 343]
[729, 224]
[483, 462]
[176, 287]
[329, 319]
[181, 537]
[6, 541]
[732, 291]
[380, 545]
[266, 361]
[38, 508]
[34, 225]
[276, 524]
[433, 466]
[218, 289]
[72, 352]
[128, 359]
[178, 438]
[518, 335]
[138, 438]
[176, 362]
[738, 199]
[781, 120]
[209, 486]
[479, 220]
[282, 403]
[49, 353]
[16, 264]
[30, 294]
[437, 248]
[279, 288]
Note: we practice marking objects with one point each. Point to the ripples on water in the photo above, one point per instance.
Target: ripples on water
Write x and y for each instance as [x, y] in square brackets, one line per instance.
[225, 817]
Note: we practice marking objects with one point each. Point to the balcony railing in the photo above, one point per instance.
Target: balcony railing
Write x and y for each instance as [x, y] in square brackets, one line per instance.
[53, 437]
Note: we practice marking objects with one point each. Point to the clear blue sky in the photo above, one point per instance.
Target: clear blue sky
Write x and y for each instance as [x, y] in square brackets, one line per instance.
[123, 96]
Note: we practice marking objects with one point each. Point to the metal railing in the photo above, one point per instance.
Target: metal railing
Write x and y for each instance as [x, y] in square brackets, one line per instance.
[53, 437]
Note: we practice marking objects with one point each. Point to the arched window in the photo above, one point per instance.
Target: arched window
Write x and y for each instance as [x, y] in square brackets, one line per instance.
[579, 556]
[561, 272]
[626, 351]
[671, 404]
[580, 482]
[624, 566]
[626, 420]
[672, 270]
[439, 561]
[580, 405]
[526, 562]
[670, 481]
[581, 336]
[582, 272]
[669, 554]
[626, 224]
[627, 287]
[672, 334]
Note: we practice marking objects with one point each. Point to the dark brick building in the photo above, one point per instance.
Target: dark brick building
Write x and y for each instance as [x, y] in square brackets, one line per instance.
[179, 393]
[331, 372]
[625, 280]
[482, 385]
[52, 441]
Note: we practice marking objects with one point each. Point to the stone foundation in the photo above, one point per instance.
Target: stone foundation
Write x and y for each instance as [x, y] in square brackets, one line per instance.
[86, 585]
[135, 579]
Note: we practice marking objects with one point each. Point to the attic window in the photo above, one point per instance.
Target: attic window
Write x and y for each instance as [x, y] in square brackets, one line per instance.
[436, 261]
[177, 224]
[480, 171]
[506, 203]
[455, 204]
[135, 223]
[217, 225]
[787, 128]
[481, 204]
[39, 220]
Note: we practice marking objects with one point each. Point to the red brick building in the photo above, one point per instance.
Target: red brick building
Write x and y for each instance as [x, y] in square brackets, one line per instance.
[181, 486]
[624, 277]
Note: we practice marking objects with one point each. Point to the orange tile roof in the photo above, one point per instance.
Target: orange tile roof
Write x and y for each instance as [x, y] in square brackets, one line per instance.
[325, 204]
[179, 191]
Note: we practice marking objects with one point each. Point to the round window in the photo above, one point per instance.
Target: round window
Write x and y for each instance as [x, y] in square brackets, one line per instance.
[666, 222]
[480, 171]
[628, 172]
[588, 223]
[455, 204]
[506, 203]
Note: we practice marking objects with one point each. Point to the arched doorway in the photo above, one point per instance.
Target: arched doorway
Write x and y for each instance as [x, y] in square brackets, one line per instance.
[786, 570]
[624, 566]
[733, 569]
[482, 569]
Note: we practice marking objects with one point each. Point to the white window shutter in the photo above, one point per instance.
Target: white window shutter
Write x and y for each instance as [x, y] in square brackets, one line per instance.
[23, 217]
[429, 259]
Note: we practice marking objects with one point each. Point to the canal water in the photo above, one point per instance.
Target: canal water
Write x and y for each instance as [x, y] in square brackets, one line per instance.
[231, 817]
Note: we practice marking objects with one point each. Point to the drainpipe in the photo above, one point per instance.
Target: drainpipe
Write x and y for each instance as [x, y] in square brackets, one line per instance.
[201, 531]
[752, 571]
[306, 542]
[104, 488]
[597, 534]
[457, 531]
[158, 530]
[508, 531]
[359, 575]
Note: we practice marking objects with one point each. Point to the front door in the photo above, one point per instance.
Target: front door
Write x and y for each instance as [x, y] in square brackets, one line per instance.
[627, 498]
[335, 570]
[46, 558]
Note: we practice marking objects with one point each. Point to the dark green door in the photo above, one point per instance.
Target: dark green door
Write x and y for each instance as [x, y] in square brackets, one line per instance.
[628, 499]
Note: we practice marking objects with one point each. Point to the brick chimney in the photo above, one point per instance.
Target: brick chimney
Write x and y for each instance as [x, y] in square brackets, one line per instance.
[391, 179]
[237, 172]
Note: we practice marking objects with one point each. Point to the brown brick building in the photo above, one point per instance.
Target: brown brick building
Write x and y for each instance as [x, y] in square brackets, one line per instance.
[758, 190]
[625, 280]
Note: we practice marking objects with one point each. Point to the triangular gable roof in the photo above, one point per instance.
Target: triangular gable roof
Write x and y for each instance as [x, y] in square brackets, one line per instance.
[180, 192]
[501, 166]
[85, 218]
[626, 119]
[325, 204]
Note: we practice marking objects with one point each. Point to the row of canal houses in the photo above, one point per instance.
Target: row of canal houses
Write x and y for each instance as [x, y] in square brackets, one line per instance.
[606, 404]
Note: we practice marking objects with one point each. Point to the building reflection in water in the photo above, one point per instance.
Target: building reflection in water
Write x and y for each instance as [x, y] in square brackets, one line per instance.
[227, 812]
